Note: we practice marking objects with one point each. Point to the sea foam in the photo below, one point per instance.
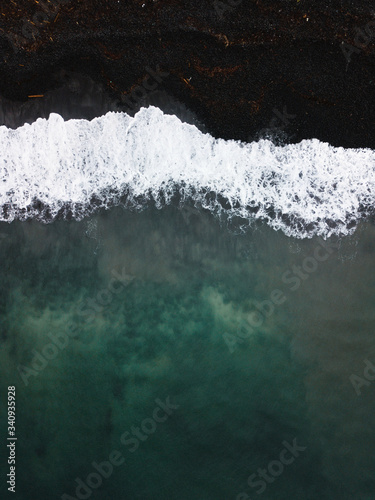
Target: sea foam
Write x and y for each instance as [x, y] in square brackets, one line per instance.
[304, 189]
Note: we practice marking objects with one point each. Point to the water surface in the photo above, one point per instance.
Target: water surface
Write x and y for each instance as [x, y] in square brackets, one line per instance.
[255, 338]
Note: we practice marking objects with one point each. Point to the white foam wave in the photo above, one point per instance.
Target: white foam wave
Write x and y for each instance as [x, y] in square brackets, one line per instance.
[304, 189]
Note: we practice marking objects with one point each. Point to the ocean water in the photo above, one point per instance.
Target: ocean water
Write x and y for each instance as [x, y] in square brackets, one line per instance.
[177, 323]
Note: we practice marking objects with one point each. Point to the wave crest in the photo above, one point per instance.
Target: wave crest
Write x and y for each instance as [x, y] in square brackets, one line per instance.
[53, 167]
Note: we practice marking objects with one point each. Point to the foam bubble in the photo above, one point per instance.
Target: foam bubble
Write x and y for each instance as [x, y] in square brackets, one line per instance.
[304, 189]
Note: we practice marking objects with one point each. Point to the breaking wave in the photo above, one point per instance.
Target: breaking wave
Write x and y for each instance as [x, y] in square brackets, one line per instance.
[55, 168]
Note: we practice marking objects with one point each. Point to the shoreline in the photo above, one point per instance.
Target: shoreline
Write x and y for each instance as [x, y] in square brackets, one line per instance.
[238, 73]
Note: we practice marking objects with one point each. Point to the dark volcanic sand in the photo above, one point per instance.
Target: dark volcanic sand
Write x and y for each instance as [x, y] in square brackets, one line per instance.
[231, 71]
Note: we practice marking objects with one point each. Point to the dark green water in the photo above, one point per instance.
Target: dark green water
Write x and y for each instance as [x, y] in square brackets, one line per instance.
[187, 321]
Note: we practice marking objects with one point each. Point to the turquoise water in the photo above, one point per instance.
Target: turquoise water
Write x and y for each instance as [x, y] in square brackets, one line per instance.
[105, 319]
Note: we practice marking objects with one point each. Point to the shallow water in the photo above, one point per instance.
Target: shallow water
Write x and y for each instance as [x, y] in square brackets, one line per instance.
[171, 303]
